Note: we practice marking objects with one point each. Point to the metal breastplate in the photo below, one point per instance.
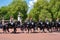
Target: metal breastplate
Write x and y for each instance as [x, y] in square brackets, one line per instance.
[53, 23]
[32, 23]
[27, 22]
[59, 22]
[11, 23]
[47, 22]
[41, 23]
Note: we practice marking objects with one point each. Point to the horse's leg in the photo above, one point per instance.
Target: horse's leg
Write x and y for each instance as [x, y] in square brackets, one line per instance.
[4, 28]
[7, 28]
[14, 29]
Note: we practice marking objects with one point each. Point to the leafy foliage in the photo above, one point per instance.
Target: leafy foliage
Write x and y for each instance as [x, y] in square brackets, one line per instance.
[44, 8]
[14, 8]
[41, 10]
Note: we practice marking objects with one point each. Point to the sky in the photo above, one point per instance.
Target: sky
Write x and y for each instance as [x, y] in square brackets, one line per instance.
[30, 4]
[7, 2]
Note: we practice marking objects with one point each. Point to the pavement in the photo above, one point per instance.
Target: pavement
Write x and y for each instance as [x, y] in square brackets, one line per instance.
[29, 36]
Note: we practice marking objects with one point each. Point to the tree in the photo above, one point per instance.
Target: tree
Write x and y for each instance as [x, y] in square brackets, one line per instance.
[53, 8]
[44, 8]
[39, 8]
[3, 12]
[14, 8]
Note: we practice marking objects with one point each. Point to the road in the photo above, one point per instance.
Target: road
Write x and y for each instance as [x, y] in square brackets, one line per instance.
[30, 36]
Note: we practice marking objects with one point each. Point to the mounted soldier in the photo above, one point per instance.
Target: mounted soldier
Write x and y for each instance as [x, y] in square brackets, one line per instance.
[29, 24]
[41, 25]
[47, 24]
[3, 25]
[33, 25]
[58, 24]
[25, 24]
[18, 22]
[53, 24]
[11, 24]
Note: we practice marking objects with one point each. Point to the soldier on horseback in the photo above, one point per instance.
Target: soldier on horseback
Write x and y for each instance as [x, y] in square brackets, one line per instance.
[11, 24]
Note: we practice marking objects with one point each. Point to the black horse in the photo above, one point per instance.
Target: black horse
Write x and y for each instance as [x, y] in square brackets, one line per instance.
[48, 25]
[11, 25]
[58, 25]
[41, 25]
[29, 25]
[33, 25]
